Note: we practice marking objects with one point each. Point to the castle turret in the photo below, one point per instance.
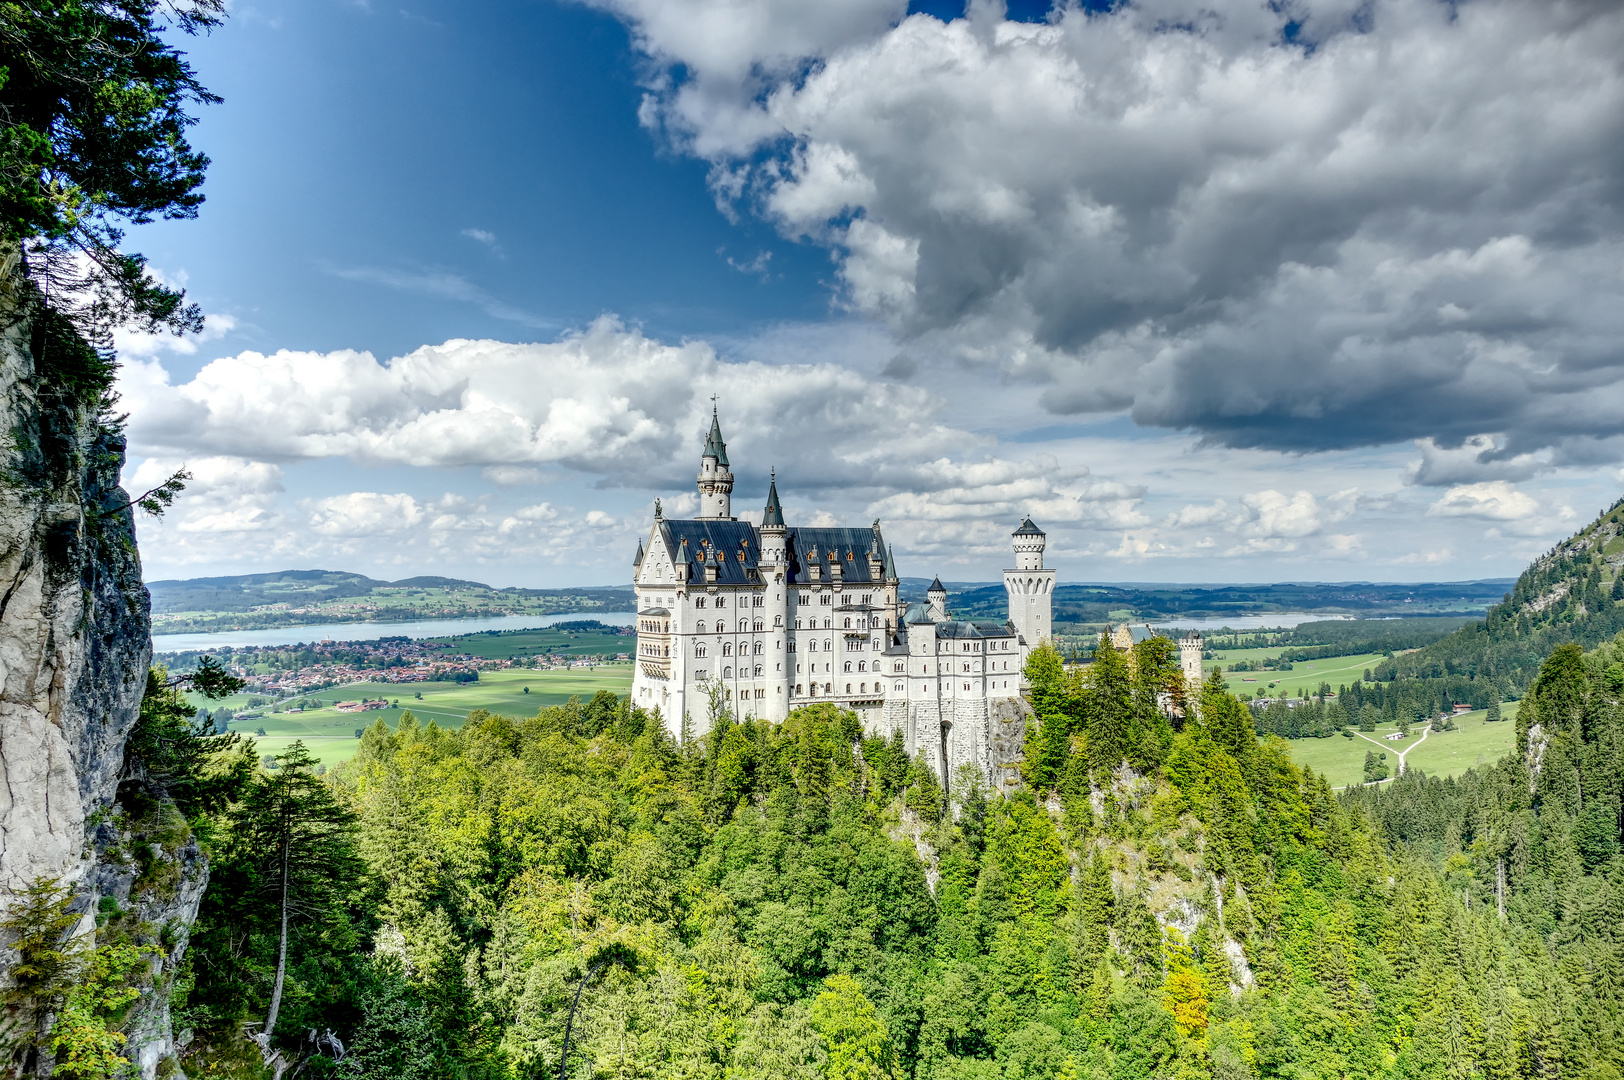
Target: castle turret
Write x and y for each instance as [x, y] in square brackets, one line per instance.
[1190, 648]
[1030, 586]
[715, 480]
[936, 597]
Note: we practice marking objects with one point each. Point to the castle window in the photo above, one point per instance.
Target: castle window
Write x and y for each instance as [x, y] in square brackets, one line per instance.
[897, 688]
[778, 620]
[826, 624]
[699, 650]
[727, 649]
[826, 646]
[812, 646]
[700, 602]
[700, 628]
[792, 646]
[721, 601]
[848, 688]
[848, 667]
[862, 688]
[744, 626]
[758, 671]
[861, 666]
[898, 669]
[966, 646]
[700, 674]
[798, 690]
[823, 598]
[760, 648]
[727, 673]
[848, 624]
[868, 598]
[759, 625]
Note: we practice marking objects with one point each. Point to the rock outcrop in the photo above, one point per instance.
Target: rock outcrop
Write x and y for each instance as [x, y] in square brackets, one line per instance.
[74, 650]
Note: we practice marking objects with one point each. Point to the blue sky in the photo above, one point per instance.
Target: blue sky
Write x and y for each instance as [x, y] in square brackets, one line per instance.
[942, 268]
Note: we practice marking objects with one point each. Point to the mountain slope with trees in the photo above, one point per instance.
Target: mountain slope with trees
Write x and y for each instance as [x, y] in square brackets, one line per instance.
[1574, 593]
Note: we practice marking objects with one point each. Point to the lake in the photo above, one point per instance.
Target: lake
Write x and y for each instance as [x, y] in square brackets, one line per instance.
[1248, 622]
[372, 631]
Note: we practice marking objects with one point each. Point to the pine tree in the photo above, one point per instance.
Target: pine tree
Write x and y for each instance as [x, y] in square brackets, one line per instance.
[303, 840]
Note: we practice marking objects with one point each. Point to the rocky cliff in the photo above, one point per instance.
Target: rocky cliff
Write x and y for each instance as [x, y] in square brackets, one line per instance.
[74, 651]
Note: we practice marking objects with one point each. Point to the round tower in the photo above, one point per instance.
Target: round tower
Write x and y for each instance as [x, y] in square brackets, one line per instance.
[1030, 587]
[936, 597]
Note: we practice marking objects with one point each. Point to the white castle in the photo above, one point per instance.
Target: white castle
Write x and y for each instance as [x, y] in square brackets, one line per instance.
[780, 617]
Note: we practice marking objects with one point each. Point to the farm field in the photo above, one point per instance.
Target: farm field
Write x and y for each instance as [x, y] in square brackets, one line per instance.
[1305, 674]
[330, 734]
[1445, 753]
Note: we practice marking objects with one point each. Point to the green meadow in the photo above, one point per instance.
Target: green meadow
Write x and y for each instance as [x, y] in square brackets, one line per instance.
[330, 734]
[1304, 674]
[1444, 753]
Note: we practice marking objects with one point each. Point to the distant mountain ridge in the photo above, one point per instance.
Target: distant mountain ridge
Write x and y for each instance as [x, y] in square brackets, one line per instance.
[300, 597]
[1095, 603]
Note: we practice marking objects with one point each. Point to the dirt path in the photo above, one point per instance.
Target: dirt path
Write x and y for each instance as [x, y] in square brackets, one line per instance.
[1402, 754]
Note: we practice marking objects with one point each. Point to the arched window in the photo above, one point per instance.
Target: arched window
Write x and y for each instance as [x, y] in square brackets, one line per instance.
[721, 601]
[700, 603]
[758, 671]
[848, 667]
[862, 688]
[826, 624]
[727, 673]
[700, 627]
[848, 688]
[848, 624]
[759, 626]
[811, 646]
[699, 650]
[861, 666]
[778, 620]
[792, 646]
[727, 648]
[826, 646]
[760, 648]
[897, 688]
[744, 626]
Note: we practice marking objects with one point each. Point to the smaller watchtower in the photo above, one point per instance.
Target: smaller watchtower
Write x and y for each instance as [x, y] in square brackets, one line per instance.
[1190, 649]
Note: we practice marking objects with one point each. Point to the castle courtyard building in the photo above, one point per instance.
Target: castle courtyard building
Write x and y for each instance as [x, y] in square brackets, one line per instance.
[775, 616]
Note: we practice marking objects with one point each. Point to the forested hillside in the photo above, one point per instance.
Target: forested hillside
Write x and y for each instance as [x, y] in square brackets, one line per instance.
[1573, 593]
[1165, 899]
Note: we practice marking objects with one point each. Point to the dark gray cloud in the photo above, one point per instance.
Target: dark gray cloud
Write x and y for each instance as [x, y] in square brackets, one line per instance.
[1405, 225]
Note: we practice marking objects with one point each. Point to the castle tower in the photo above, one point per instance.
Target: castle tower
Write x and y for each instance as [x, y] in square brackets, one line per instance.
[1190, 647]
[936, 597]
[1030, 586]
[715, 481]
[772, 530]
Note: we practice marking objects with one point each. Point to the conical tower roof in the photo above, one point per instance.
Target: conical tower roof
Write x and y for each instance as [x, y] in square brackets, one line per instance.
[1027, 528]
[714, 446]
[773, 516]
[638, 561]
[937, 586]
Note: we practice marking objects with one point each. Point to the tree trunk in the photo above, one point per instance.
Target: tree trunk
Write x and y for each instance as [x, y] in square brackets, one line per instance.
[281, 953]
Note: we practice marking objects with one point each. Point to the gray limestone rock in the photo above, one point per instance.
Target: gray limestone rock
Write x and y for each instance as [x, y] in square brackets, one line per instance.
[75, 645]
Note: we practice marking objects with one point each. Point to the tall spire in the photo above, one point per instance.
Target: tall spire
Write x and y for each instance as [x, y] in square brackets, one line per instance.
[715, 480]
[773, 516]
[714, 446]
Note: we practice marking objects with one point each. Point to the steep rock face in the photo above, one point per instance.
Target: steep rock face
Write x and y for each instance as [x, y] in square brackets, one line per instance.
[74, 651]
